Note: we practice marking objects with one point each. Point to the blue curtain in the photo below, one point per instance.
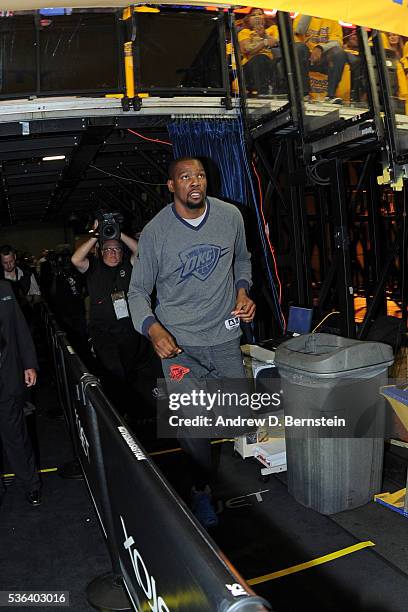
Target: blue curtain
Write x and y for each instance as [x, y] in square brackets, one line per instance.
[217, 139]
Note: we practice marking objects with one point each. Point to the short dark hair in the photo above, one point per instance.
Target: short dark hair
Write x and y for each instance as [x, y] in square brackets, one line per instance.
[175, 162]
[6, 249]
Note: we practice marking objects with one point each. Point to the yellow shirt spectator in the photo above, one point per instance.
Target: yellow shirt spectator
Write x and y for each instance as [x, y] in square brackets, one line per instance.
[317, 31]
[253, 38]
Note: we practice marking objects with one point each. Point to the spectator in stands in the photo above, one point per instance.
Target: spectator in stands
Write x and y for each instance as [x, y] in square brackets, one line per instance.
[126, 357]
[404, 65]
[352, 49]
[194, 254]
[324, 38]
[397, 68]
[404, 58]
[256, 45]
[22, 280]
[18, 370]
[274, 80]
[395, 45]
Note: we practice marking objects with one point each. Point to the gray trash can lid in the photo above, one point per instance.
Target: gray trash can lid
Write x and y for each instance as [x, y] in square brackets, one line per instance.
[328, 354]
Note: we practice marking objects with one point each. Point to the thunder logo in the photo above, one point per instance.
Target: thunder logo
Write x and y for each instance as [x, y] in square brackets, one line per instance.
[200, 261]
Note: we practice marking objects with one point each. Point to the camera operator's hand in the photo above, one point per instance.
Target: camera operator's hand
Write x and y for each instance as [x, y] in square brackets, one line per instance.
[163, 343]
[94, 230]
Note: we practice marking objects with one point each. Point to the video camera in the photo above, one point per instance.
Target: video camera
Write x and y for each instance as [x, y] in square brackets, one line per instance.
[108, 225]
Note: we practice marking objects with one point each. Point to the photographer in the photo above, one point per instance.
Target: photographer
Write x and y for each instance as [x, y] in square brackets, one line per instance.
[126, 357]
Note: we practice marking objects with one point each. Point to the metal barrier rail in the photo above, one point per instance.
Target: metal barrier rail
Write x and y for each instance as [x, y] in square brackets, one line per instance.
[158, 550]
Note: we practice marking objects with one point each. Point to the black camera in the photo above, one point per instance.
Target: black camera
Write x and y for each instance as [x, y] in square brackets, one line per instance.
[108, 225]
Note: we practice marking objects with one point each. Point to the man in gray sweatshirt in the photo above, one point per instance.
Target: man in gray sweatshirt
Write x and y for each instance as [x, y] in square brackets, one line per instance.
[194, 254]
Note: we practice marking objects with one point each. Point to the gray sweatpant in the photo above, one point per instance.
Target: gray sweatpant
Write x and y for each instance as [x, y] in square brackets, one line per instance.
[191, 368]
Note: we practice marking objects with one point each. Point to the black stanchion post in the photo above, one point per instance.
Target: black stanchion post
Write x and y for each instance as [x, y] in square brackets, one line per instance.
[56, 339]
[55, 332]
[106, 592]
[72, 469]
[57, 335]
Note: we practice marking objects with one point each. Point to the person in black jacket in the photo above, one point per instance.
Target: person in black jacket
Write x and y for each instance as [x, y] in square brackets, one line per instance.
[130, 366]
[22, 280]
[18, 370]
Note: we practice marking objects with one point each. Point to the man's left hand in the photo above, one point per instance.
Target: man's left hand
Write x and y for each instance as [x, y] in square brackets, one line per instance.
[244, 307]
[30, 377]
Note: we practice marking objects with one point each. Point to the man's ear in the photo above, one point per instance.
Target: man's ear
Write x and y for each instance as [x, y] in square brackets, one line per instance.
[170, 185]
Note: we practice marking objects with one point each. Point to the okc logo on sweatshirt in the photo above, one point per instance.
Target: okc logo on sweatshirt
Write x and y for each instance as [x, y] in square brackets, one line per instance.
[200, 261]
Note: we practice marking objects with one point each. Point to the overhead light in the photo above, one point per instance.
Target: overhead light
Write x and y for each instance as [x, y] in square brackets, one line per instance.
[53, 157]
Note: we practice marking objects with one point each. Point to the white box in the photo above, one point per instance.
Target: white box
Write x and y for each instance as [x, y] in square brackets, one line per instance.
[246, 444]
[272, 453]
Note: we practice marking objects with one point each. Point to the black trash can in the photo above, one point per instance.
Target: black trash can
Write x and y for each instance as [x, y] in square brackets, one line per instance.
[330, 379]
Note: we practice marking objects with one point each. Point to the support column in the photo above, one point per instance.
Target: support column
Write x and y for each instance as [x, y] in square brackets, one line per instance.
[345, 289]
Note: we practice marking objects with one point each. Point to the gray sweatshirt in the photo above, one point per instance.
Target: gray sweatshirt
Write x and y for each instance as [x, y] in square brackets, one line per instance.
[196, 272]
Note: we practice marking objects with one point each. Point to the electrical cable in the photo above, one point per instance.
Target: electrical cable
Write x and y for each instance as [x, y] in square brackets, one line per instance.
[323, 320]
[275, 297]
[261, 232]
[272, 250]
[124, 178]
[150, 139]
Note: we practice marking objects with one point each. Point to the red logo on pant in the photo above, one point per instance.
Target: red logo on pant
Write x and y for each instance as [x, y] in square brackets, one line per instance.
[178, 372]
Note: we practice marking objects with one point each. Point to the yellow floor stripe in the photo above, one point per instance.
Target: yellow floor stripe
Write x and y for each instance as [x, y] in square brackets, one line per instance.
[312, 563]
[165, 452]
[178, 449]
[44, 471]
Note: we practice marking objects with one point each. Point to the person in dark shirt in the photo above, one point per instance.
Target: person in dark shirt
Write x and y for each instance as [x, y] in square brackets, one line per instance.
[67, 298]
[126, 357]
[22, 280]
[18, 371]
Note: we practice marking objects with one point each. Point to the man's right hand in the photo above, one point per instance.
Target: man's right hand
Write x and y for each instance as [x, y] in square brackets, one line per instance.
[163, 343]
[95, 227]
